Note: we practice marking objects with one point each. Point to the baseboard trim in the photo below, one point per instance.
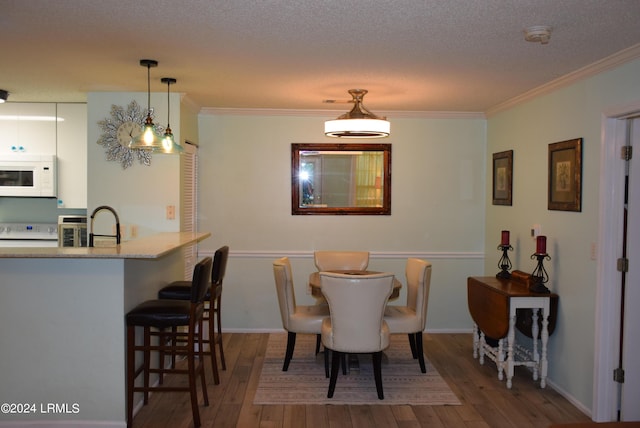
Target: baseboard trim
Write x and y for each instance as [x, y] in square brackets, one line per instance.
[281, 330]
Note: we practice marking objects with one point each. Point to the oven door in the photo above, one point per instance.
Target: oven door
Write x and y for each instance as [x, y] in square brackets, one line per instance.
[22, 243]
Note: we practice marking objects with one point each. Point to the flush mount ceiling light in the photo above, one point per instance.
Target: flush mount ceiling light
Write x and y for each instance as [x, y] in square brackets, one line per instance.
[538, 34]
[3, 95]
[148, 139]
[359, 122]
[168, 143]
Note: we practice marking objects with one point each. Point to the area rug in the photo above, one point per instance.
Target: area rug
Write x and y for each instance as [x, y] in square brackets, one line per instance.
[305, 381]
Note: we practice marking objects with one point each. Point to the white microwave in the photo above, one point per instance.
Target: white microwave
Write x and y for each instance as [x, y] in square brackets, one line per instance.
[27, 175]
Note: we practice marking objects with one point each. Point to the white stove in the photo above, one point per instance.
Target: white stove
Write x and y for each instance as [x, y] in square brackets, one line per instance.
[28, 235]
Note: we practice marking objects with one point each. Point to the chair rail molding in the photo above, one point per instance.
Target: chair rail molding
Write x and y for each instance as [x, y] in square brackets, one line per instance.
[433, 255]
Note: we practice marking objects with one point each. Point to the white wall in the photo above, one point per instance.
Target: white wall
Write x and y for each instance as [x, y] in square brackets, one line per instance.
[528, 129]
[438, 169]
[140, 193]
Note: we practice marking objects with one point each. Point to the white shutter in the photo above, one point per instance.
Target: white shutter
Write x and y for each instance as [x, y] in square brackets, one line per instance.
[190, 205]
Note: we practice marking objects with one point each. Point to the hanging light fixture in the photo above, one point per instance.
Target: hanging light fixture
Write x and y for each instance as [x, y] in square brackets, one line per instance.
[149, 139]
[359, 122]
[3, 95]
[168, 143]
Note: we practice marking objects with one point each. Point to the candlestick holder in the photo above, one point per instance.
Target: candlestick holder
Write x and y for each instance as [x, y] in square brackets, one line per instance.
[539, 275]
[504, 263]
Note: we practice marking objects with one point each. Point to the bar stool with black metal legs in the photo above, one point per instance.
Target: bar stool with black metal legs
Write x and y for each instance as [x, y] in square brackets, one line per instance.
[181, 290]
[161, 315]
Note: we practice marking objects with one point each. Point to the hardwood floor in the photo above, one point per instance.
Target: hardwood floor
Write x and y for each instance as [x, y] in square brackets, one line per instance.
[486, 402]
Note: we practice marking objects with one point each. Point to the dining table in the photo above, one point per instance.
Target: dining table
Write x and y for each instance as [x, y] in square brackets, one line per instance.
[316, 289]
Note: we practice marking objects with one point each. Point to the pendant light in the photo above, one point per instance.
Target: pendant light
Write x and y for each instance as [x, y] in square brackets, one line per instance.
[149, 139]
[3, 95]
[359, 122]
[168, 143]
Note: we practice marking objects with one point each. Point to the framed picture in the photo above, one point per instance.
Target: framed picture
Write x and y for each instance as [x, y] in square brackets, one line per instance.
[565, 175]
[502, 177]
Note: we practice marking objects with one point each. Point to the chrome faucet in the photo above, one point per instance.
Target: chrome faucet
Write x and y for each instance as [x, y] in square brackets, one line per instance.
[117, 235]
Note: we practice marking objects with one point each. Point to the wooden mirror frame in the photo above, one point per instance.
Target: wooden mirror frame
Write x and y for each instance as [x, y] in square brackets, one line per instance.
[296, 209]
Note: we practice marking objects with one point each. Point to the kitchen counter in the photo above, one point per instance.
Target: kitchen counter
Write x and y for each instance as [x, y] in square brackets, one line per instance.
[151, 247]
[63, 315]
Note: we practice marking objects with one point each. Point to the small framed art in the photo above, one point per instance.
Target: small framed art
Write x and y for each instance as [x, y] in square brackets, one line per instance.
[502, 177]
[565, 175]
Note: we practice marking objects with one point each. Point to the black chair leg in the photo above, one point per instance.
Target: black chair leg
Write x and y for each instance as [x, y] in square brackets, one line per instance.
[326, 362]
[192, 385]
[212, 345]
[131, 369]
[318, 341]
[219, 337]
[201, 364]
[377, 373]
[420, 351]
[291, 344]
[335, 366]
[412, 344]
[146, 362]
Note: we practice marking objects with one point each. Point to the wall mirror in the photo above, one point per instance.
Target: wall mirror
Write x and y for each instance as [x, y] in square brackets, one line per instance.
[341, 179]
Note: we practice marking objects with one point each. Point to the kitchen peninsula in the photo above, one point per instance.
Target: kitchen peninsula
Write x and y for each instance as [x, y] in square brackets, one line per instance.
[62, 312]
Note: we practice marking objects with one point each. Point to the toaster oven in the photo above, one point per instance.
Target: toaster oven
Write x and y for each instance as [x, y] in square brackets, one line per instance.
[72, 231]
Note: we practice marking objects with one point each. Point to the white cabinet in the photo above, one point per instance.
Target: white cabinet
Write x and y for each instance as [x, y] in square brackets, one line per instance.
[28, 128]
[72, 155]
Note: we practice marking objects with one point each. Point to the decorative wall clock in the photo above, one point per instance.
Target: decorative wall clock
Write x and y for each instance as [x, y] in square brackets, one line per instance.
[120, 129]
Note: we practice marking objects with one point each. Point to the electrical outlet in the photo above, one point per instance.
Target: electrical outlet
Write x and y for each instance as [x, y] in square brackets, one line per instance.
[171, 212]
[594, 251]
[536, 230]
[134, 230]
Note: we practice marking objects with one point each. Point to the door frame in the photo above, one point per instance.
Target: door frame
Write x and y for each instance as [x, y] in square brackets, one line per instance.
[608, 293]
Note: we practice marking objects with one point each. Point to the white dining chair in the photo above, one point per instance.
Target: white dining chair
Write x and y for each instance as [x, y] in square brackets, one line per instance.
[295, 318]
[411, 318]
[326, 260]
[356, 323]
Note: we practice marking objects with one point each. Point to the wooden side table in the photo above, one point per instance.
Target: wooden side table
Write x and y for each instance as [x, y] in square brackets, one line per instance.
[493, 304]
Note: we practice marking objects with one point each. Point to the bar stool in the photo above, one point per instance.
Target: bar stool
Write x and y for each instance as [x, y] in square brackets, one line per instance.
[162, 315]
[181, 290]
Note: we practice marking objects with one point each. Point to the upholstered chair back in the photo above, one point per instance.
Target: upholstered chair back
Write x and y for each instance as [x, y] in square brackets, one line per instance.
[219, 265]
[200, 281]
[284, 287]
[356, 307]
[341, 260]
[418, 274]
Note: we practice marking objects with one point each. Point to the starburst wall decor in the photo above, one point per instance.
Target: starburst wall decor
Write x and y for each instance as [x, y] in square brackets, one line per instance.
[119, 129]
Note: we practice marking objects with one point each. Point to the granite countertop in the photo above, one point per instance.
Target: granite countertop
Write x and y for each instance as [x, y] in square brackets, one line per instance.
[151, 247]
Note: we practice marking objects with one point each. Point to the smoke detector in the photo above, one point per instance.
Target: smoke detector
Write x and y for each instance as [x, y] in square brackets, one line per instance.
[538, 34]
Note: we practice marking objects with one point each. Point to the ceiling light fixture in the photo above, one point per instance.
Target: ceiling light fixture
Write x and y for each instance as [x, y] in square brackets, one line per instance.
[149, 139]
[538, 34]
[168, 143]
[359, 122]
[3, 95]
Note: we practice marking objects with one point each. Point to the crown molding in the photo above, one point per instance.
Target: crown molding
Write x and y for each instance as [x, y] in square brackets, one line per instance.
[605, 64]
[332, 114]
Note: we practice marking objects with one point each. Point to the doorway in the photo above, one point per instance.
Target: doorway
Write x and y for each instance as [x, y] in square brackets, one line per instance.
[613, 400]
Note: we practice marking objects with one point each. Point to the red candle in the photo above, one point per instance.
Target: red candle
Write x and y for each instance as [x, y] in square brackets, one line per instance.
[541, 244]
[505, 238]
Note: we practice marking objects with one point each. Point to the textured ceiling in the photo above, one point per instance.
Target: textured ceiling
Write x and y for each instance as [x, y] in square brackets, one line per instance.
[412, 55]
